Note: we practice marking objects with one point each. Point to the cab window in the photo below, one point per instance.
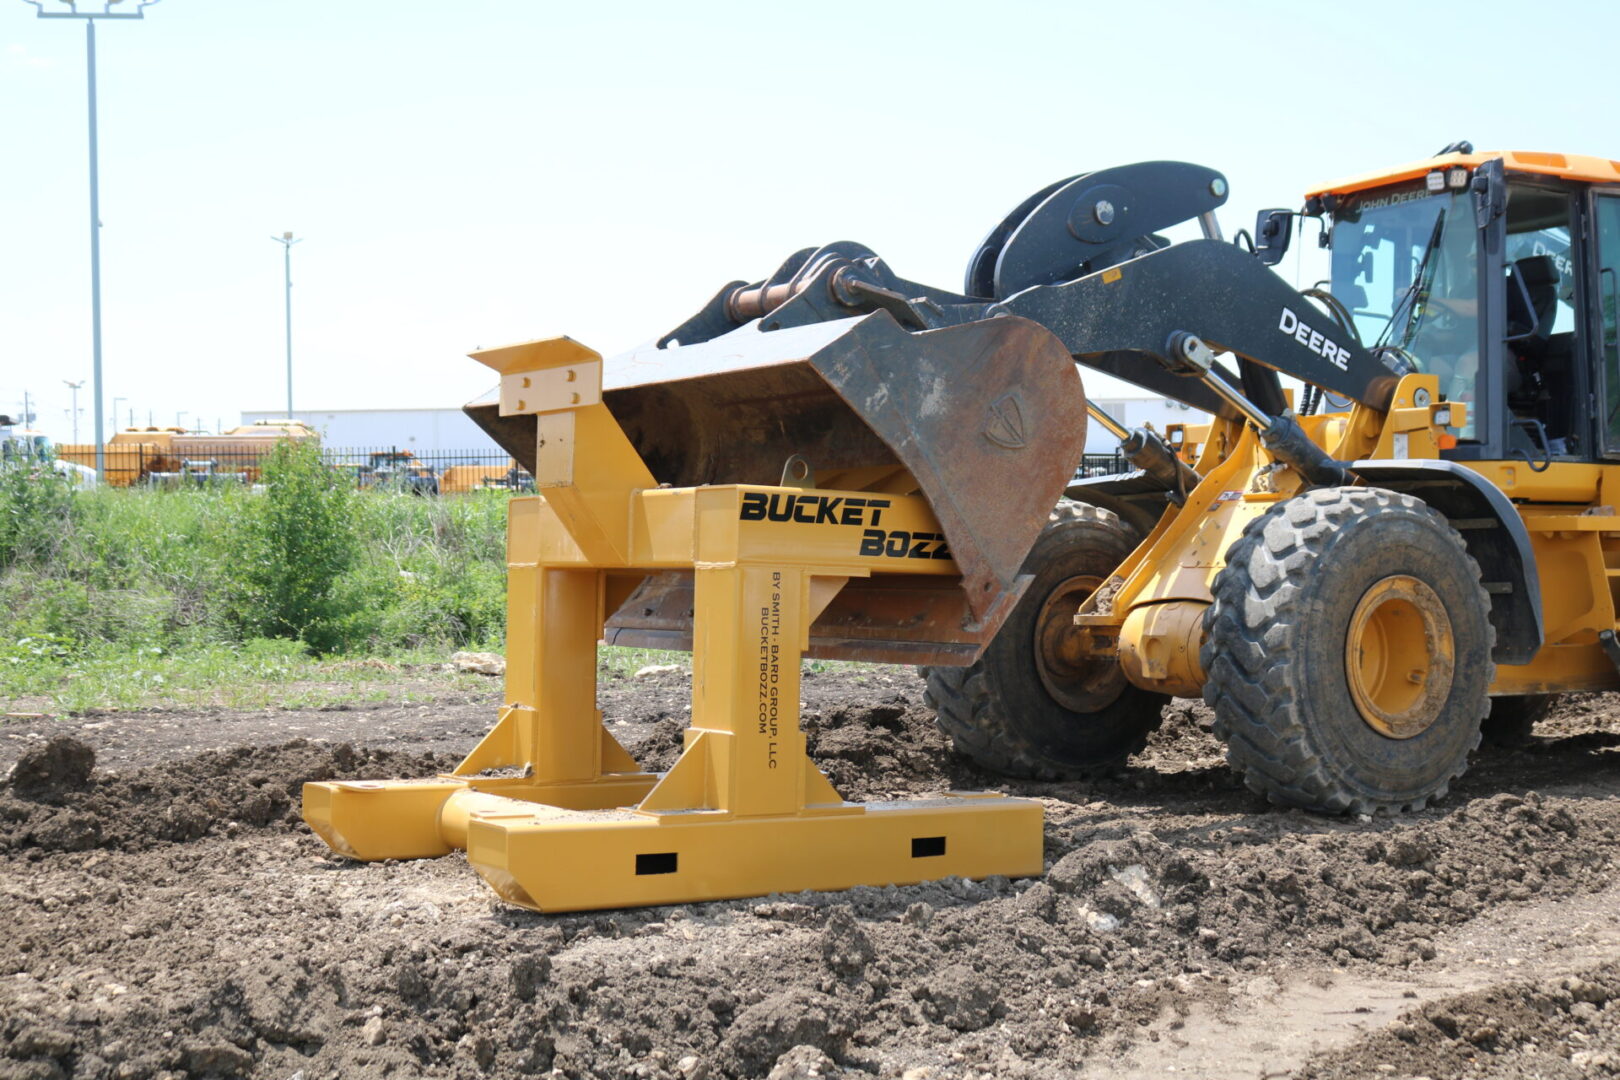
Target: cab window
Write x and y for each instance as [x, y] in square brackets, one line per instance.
[1608, 263]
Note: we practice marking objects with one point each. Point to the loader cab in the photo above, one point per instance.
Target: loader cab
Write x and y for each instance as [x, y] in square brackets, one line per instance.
[1502, 282]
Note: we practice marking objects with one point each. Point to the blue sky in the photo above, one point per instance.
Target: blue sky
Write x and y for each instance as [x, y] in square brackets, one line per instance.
[487, 171]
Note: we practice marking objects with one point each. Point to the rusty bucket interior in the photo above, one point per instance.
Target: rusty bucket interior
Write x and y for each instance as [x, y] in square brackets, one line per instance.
[986, 420]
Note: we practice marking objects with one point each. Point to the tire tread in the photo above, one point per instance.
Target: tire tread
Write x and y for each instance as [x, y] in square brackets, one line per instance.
[1251, 684]
[967, 709]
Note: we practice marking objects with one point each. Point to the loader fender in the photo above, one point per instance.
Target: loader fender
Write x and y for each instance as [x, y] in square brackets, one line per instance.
[1495, 536]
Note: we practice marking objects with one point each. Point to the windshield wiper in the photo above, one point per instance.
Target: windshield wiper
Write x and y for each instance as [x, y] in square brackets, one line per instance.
[1407, 305]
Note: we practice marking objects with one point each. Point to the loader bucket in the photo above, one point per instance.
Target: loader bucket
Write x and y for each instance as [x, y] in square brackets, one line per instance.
[985, 420]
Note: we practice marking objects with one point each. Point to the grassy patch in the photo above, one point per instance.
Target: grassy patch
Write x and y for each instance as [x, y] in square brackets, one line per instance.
[257, 674]
[135, 598]
[142, 568]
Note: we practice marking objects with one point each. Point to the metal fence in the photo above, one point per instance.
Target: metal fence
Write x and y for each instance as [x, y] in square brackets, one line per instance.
[437, 460]
[199, 461]
[1103, 464]
[438, 472]
[432, 472]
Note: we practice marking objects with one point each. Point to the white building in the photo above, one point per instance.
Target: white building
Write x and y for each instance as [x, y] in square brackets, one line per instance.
[424, 432]
[1135, 412]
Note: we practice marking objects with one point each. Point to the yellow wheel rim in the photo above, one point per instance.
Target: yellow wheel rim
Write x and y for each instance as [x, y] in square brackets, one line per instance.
[1078, 680]
[1399, 656]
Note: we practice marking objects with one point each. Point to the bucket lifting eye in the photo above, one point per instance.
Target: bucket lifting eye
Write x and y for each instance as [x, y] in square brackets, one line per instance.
[796, 472]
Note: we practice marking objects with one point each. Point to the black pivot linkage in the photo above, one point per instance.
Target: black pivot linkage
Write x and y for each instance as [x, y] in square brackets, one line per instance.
[1280, 434]
[1148, 451]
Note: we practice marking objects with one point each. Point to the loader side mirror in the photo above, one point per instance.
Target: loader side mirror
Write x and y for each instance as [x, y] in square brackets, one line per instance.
[1273, 229]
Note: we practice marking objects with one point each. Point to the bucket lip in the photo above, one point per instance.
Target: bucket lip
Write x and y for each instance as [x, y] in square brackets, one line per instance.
[748, 347]
[744, 349]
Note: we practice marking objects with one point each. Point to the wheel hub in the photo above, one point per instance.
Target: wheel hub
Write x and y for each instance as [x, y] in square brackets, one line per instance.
[1400, 656]
[1078, 679]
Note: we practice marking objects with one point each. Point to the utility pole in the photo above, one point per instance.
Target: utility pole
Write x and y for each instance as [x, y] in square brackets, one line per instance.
[286, 241]
[90, 18]
[74, 386]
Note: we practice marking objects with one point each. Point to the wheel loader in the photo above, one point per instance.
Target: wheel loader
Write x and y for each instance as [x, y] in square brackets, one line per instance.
[1395, 533]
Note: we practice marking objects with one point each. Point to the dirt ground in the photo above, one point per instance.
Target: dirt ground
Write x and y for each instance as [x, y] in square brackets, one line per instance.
[164, 913]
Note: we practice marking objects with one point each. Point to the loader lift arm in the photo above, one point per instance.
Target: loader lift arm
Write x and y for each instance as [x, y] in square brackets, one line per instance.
[1113, 296]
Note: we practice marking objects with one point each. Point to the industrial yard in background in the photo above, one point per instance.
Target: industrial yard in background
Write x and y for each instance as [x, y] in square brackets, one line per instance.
[172, 455]
[176, 457]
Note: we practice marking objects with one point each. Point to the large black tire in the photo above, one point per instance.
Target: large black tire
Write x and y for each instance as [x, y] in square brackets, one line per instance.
[1301, 714]
[1511, 718]
[1018, 710]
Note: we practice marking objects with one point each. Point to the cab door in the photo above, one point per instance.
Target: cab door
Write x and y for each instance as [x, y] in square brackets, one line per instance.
[1606, 318]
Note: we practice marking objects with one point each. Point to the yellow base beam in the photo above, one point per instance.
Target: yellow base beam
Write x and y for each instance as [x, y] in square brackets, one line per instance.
[569, 861]
[549, 857]
[372, 820]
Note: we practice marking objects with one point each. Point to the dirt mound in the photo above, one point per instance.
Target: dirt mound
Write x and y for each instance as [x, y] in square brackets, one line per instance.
[882, 746]
[764, 1032]
[59, 764]
[659, 743]
[55, 801]
[1367, 893]
[1568, 1026]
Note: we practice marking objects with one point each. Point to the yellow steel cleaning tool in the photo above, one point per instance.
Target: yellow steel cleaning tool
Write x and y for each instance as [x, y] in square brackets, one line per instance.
[896, 509]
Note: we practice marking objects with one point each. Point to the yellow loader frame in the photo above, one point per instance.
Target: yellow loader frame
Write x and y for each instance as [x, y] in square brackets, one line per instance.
[1150, 613]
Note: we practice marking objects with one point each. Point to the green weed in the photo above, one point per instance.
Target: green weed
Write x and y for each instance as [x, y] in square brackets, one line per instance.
[613, 661]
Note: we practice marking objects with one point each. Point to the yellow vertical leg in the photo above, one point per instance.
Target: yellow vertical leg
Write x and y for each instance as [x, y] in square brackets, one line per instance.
[551, 725]
[745, 683]
[565, 724]
[746, 752]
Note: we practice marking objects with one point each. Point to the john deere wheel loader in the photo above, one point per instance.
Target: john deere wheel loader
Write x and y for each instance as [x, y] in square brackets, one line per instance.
[1361, 572]
[1435, 562]
[1357, 622]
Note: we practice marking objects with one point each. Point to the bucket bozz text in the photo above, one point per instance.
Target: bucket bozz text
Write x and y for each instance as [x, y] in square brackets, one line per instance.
[809, 509]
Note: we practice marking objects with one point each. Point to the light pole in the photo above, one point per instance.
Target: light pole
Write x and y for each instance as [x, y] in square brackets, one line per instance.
[90, 18]
[74, 386]
[286, 241]
[178, 414]
[116, 402]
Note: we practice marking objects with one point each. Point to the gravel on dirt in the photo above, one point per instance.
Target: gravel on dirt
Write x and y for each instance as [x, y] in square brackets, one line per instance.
[1567, 1026]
